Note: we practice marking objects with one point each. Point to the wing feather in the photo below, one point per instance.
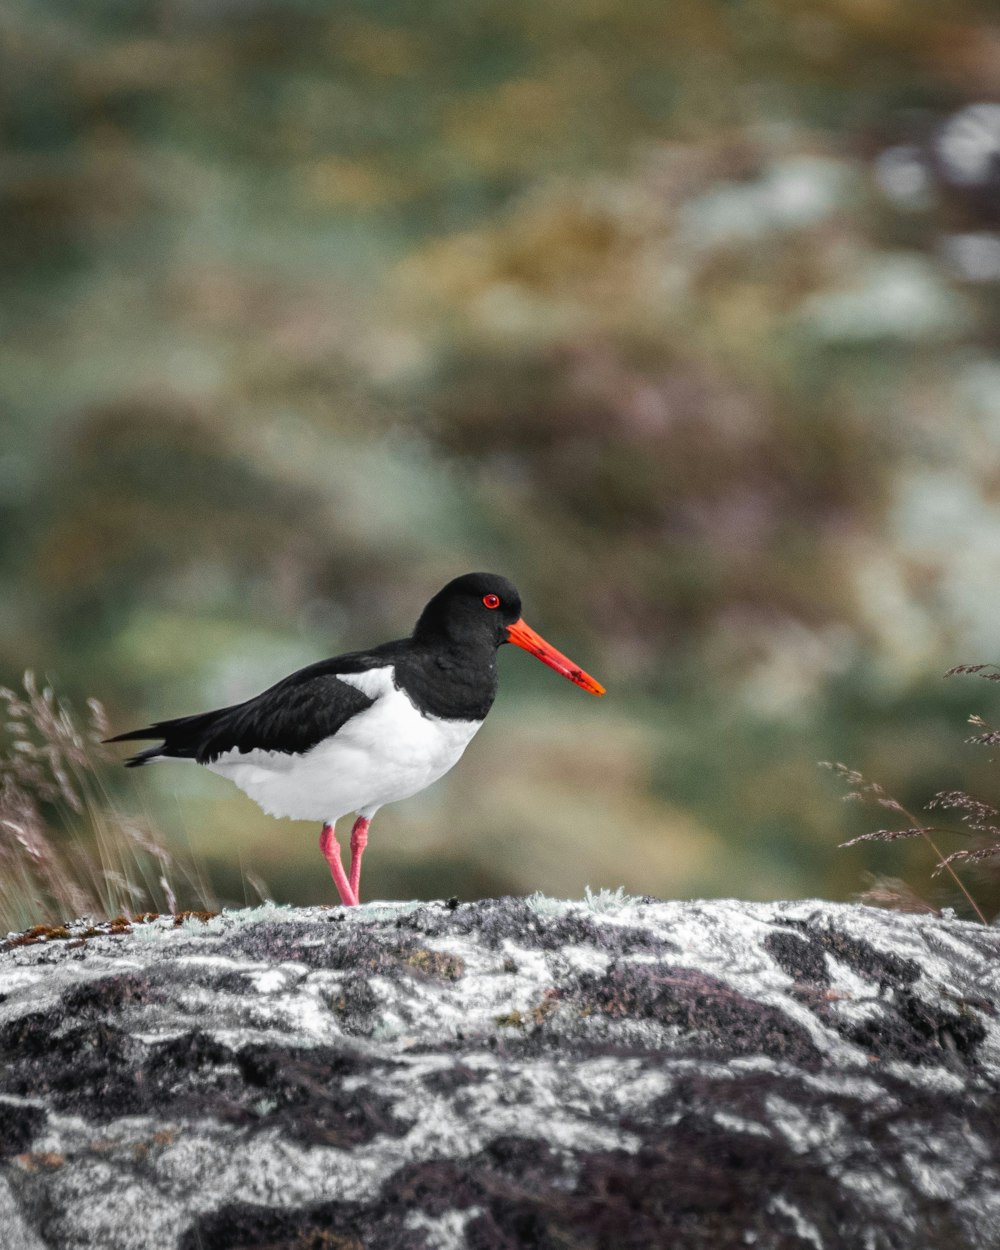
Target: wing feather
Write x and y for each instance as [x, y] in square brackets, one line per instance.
[292, 716]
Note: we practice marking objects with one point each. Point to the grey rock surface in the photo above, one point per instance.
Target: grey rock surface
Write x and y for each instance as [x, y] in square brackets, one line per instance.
[613, 1073]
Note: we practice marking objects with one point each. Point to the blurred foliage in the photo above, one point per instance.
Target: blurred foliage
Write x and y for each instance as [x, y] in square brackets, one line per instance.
[682, 315]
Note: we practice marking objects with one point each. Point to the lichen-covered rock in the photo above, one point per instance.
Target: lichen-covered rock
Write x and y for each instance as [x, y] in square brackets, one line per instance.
[616, 1073]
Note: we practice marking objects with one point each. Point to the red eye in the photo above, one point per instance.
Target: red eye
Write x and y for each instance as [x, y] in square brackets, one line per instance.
[491, 601]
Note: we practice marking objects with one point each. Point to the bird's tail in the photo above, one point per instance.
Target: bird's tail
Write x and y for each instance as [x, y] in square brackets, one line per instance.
[180, 737]
[143, 757]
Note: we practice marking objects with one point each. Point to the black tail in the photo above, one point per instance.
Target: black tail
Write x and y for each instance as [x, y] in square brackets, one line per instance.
[143, 757]
[181, 738]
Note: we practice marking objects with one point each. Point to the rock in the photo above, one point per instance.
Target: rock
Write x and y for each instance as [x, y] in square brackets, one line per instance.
[615, 1073]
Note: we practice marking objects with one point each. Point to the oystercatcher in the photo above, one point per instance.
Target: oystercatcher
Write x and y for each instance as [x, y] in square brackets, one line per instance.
[368, 728]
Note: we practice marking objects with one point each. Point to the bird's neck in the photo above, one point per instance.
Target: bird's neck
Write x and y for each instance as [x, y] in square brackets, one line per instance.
[454, 681]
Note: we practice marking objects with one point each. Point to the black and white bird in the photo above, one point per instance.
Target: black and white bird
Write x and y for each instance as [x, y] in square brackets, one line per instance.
[355, 732]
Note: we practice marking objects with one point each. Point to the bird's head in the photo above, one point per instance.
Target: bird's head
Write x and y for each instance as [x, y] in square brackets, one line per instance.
[485, 606]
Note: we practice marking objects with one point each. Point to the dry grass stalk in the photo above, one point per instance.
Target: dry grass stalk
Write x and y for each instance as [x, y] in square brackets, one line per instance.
[871, 793]
[977, 819]
[65, 850]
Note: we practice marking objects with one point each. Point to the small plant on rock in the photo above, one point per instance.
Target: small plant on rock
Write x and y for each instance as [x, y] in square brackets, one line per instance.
[977, 820]
[65, 850]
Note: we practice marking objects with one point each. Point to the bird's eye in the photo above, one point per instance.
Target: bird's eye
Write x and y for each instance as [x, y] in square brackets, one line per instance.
[491, 601]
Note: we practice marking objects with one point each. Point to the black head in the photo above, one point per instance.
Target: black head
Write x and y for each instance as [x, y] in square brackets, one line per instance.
[475, 608]
[476, 614]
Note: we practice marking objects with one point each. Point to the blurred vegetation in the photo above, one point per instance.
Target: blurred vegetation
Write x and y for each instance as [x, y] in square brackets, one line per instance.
[683, 315]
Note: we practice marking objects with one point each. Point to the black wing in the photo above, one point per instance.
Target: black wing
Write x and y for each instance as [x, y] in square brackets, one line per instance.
[291, 717]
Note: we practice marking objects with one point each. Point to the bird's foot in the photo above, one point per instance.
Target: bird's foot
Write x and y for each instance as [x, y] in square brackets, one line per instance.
[359, 840]
[330, 847]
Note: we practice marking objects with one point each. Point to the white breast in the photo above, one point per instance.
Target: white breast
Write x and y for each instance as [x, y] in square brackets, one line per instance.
[386, 753]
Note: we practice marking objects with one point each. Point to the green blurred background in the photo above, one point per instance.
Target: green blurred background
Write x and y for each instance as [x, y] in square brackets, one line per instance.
[682, 314]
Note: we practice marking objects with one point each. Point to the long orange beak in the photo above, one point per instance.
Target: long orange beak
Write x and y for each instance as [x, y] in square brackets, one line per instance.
[524, 636]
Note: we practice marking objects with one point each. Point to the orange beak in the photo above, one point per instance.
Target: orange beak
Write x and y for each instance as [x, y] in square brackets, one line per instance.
[524, 636]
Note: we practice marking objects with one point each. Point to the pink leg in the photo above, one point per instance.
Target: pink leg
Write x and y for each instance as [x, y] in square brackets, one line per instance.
[330, 847]
[359, 840]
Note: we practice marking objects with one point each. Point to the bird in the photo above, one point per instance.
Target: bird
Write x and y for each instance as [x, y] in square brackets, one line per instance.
[355, 732]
